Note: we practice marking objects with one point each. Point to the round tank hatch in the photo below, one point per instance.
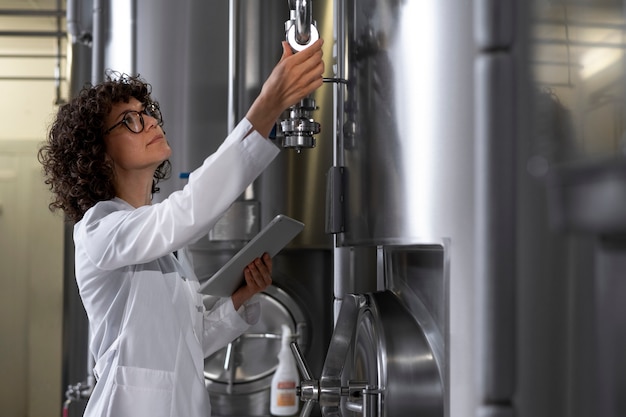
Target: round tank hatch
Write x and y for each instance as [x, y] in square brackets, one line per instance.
[247, 364]
[391, 352]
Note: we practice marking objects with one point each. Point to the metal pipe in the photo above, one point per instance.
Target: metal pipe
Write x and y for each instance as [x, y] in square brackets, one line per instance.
[32, 13]
[19, 56]
[599, 25]
[338, 89]
[619, 45]
[341, 255]
[57, 69]
[71, 18]
[300, 29]
[233, 104]
[233, 100]
[34, 78]
[557, 64]
[34, 33]
[133, 39]
[303, 22]
[97, 53]
[75, 24]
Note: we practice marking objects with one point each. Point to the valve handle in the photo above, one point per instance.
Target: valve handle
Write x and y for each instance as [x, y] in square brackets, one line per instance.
[306, 373]
[302, 365]
[306, 408]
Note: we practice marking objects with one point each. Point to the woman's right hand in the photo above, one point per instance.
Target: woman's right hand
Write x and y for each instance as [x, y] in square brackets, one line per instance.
[294, 77]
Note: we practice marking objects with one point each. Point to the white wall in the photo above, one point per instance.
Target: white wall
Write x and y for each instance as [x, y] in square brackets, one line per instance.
[26, 106]
[31, 299]
[31, 238]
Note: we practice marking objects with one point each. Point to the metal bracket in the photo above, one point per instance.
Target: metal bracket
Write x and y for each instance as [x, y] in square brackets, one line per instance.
[335, 200]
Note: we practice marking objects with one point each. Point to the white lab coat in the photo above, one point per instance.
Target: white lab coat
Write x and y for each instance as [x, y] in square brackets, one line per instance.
[149, 329]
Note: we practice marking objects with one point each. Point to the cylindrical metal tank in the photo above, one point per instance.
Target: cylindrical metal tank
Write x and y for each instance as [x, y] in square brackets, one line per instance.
[407, 131]
[207, 62]
[190, 72]
[295, 183]
[408, 152]
[435, 176]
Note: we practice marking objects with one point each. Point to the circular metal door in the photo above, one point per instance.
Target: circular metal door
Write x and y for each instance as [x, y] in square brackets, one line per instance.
[247, 364]
[392, 354]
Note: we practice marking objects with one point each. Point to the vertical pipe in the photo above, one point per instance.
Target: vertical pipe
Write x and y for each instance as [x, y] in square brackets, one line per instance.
[233, 66]
[97, 69]
[77, 359]
[71, 19]
[120, 35]
[97, 57]
[303, 21]
[339, 88]
[57, 71]
[233, 105]
[339, 255]
[495, 243]
[133, 39]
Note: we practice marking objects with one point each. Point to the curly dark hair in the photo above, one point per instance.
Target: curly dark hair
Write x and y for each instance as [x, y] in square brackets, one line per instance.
[73, 157]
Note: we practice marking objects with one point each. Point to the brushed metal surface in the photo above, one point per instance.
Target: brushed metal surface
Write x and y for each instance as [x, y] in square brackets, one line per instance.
[404, 368]
[407, 131]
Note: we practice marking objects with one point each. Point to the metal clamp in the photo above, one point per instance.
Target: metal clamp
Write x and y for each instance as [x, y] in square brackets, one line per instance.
[328, 391]
[298, 129]
[301, 31]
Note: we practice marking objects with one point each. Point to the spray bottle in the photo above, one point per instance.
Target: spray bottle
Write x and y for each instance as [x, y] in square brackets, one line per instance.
[284, 401]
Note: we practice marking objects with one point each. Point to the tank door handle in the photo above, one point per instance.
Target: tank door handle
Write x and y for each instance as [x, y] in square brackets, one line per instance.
[302, 365]
[361, 397]
[309, 388]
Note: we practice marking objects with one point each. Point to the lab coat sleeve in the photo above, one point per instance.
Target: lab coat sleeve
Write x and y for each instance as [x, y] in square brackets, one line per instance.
[126, 237]
[222, 323]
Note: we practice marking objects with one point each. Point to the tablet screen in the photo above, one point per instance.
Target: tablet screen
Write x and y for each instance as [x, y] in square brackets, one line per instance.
[275, 236]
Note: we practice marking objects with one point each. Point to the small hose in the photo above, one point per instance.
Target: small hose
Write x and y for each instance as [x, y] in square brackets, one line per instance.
[66, 407]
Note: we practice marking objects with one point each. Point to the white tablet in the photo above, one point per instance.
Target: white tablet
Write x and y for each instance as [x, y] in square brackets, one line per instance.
[275, 236]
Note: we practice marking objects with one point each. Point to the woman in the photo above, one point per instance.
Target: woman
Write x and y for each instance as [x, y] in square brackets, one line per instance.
[105, 154]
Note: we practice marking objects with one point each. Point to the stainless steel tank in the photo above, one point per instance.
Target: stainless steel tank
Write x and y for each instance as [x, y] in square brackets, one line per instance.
[400, 101]
[380, 363]
[406, 131]
[238, 375]
[435, 148]
[408, 165]
[207, 62]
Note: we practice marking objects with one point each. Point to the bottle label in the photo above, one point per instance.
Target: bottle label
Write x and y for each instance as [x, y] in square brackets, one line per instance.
[286, 385]
[285, 399]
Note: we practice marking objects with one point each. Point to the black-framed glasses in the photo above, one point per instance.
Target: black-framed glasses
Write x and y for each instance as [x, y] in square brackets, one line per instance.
[133, 120]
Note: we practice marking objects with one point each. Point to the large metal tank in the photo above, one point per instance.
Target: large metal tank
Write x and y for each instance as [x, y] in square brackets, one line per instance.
[206, 77]
[437, 190]
[232, 46]
[455, 117]
[206, 62]
[405, 144]
[407, 131]
[408, 156]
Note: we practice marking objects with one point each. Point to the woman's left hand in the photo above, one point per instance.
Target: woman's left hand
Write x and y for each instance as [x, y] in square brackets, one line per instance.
[258, 276]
